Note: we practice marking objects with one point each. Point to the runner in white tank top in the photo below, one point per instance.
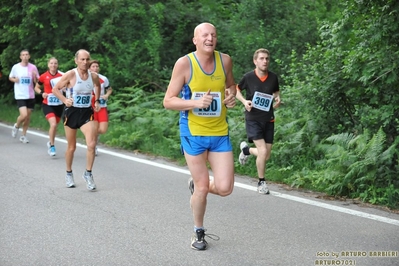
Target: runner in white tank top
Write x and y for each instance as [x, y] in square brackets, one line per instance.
[78, 113]
[81, 92]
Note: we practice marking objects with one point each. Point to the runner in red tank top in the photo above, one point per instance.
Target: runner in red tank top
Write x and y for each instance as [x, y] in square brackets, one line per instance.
[101, 118]
[51, 105]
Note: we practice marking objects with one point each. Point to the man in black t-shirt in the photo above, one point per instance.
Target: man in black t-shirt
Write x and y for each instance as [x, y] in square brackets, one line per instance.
[262, 88]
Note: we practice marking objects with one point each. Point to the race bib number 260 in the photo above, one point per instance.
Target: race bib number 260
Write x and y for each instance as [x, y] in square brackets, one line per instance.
[213, 110]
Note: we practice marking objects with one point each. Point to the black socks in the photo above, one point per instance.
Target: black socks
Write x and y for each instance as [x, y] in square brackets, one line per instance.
[246, 151]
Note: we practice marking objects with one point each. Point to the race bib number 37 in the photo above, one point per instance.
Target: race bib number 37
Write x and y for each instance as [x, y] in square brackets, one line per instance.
[262, 101]
[213, 110]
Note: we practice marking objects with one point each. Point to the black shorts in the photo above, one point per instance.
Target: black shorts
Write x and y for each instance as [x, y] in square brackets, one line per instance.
[56, 110]
[260, 130]
[76, 117]
[28, 103]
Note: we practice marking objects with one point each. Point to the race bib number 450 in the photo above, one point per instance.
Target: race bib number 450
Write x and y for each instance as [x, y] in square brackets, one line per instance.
[262, 101]
[213, 110]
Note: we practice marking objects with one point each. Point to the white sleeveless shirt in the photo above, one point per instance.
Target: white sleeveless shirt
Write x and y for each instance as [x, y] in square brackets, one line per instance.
[82, 91]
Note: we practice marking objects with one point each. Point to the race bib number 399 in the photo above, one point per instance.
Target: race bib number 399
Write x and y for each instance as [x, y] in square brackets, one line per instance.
[262, 101]
[213, 110]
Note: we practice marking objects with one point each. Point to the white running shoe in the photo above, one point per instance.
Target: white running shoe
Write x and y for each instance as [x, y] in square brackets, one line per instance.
[262, 188]
[51, 150]
[69, 180]
[14, 131]
[242, 158]
[24, 139]
[89, 181]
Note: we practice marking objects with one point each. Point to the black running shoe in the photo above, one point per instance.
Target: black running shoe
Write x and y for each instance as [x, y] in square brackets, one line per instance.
[198, 241]
[191, 185]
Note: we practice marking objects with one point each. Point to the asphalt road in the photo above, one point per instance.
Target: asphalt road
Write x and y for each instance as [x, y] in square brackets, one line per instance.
[140, 215]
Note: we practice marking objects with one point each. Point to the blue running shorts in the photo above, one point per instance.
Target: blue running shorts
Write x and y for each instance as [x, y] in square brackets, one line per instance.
[195, 145]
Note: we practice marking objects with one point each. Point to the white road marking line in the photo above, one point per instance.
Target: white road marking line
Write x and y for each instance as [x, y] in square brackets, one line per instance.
[326, 206]
[236, 184]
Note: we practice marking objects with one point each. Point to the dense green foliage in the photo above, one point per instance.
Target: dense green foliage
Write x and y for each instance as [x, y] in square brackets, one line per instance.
[337, 129]
[347, 87]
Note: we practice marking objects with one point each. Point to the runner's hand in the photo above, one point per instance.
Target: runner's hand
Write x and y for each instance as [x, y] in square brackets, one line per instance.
[230, 99]
[248, 106]
[206, 100]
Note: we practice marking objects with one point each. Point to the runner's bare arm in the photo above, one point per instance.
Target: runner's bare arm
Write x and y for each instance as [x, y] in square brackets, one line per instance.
[62, 83]
[180, 74]
[230, 97]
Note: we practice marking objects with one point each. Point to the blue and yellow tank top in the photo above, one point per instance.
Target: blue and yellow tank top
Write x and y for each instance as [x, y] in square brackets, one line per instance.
[211, 121]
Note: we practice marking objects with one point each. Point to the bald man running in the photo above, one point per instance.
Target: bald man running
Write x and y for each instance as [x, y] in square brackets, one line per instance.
[205, 80]
[78, 113]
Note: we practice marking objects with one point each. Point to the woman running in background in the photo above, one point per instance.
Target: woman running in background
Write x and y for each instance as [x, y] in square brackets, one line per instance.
[52, 106]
